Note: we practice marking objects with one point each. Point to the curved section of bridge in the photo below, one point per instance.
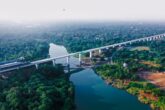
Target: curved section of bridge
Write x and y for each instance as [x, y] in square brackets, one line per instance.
[36, 63]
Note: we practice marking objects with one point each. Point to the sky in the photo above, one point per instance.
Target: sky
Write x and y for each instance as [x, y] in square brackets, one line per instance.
[61, 10]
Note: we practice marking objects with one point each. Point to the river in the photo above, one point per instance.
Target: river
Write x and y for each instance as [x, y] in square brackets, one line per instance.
[92, 93]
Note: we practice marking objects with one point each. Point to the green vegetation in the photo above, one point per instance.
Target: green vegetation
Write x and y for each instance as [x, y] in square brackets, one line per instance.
[115, 72]
[30, 49]
[123, 78]
[49, 89]
[127, 78]
[33, 43]
[77, 37]
[45, 89]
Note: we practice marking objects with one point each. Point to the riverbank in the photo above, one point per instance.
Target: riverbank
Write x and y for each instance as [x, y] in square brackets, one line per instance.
[146, 92]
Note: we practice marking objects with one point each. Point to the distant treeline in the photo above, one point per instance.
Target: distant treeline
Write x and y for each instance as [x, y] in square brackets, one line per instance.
[32, 41]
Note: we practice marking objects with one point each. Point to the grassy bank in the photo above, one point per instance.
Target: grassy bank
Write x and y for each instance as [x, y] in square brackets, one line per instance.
[122, 78]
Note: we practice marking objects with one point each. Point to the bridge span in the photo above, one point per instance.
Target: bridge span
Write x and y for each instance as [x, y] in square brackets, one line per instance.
[99, 49]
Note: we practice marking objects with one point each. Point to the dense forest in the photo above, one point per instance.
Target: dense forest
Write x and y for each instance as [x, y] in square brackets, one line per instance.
[29, 49]
[86, 36]
[45, 89]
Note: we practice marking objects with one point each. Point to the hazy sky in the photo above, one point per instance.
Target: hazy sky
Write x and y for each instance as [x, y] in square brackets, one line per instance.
[82, 10]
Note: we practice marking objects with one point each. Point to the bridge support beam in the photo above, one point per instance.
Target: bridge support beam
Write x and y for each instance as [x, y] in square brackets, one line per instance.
[99, 51]
[111, 61]
[68, 60]
[90, 54]
[79, 58]
[68, 63]
[36, 66]
[54, 62]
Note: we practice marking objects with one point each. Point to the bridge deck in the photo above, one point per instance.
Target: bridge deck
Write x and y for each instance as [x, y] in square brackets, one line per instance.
[85, 51]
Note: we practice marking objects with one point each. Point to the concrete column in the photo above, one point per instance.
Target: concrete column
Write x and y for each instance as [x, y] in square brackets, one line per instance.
[54, 62]
[99, 51]
[79, 58]
[90, 54]
[67, 60]
[36, 66]
[111, 61]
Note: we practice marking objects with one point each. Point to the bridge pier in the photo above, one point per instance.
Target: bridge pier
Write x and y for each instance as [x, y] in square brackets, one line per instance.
[36, 66]
[79, 58]
[148, 39]
[68, 63]
[157, 37]
[90, 54]
[99, 51]
[68, 60]
[54, 62]
[111, 60]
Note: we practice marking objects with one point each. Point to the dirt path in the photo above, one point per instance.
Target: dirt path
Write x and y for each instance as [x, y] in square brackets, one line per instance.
[155, 78]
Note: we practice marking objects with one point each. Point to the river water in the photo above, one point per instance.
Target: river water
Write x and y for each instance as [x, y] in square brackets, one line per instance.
[92, 93]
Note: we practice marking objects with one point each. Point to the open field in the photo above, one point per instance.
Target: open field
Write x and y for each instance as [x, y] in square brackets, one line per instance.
[155, 78]
[140, 48]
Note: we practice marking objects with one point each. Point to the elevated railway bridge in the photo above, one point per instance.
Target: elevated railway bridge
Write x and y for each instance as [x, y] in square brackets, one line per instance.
[67, 57]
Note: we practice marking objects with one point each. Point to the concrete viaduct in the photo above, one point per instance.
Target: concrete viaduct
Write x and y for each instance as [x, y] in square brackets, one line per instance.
[53, 60]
